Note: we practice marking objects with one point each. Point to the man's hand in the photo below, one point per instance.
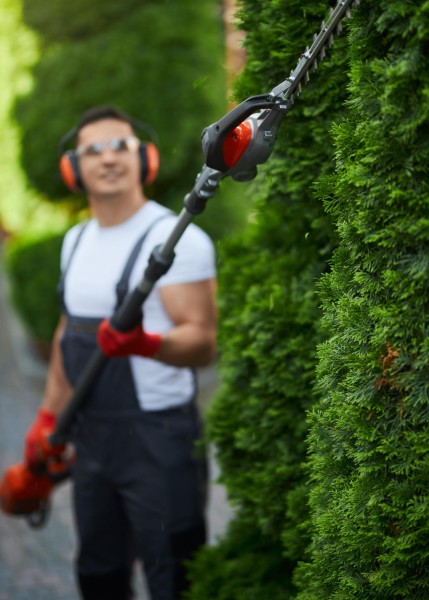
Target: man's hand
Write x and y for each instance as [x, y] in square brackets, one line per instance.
[125, 343]
[36, 439]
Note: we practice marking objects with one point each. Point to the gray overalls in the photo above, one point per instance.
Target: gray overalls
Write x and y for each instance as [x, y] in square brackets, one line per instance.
[139, 482]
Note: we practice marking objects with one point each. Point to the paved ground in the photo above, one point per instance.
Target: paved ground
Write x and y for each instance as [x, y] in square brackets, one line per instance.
[37, 564]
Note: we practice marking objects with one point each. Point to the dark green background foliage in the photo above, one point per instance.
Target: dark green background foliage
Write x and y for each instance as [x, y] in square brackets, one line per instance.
[159, 61]
[32, 266]
[269, 314]
[244, 565]
[369, 436]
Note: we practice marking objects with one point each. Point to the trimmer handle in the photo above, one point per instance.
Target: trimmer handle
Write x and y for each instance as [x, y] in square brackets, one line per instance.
[213, 137]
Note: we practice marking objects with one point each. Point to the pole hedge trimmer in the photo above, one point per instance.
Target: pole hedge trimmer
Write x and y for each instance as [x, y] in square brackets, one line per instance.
[233, 147]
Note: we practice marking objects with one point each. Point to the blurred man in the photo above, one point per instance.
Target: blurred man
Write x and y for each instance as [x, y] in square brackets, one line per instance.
[139, 482]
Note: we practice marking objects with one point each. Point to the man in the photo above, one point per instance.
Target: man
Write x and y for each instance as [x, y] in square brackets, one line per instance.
[139, 482]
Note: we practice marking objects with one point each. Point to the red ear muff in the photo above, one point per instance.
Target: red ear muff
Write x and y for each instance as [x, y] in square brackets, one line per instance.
[69, 171]
[149, 157]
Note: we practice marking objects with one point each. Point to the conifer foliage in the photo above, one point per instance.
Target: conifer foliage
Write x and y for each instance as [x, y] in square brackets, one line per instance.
[269, 317]
[370, 433]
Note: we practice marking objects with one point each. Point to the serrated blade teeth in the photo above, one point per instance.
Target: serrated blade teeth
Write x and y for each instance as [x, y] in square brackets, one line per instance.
[322, 42]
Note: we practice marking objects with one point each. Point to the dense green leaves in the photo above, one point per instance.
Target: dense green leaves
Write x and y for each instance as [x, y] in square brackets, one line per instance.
[368, 431]
[269, 311]
[74, 21]
[33, 294]
[369, 435]
[245, 565]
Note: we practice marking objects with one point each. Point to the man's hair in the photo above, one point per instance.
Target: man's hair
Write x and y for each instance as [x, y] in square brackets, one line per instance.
[98, 113]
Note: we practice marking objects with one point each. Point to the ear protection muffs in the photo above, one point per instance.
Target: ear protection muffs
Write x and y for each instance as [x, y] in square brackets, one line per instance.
[69, 168]
[69, 163]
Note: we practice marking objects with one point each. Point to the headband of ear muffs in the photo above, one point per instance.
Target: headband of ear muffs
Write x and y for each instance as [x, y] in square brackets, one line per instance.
[69, 164]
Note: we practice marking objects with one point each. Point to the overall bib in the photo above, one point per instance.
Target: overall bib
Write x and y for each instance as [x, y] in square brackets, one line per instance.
[139, 481]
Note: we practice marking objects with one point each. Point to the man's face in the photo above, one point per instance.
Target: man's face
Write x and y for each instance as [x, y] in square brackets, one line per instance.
[108, 157]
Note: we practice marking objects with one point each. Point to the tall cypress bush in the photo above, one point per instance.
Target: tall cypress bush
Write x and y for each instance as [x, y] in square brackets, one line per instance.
[269, 316]
[369, 435]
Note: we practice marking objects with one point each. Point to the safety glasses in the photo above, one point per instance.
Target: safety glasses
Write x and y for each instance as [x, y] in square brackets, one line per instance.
[128, 144]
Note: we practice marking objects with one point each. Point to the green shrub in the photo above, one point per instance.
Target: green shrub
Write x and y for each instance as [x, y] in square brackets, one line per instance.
[244, 565]
[33, 268]
[269, 310]
[369, 435]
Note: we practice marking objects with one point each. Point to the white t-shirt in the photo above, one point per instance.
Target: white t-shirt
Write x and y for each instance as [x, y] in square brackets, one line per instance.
[96, 268]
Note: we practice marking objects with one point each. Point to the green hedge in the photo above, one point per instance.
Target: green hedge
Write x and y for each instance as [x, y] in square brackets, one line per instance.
[369, 435]
[244, 565]
[33, 268]
[269, 309]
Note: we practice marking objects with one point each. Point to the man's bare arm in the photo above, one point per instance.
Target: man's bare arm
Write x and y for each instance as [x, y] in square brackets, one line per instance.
[57, 390]
[192, 308]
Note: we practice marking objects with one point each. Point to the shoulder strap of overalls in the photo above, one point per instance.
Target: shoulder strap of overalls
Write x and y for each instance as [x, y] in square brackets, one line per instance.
[60, 286]
[123, 283]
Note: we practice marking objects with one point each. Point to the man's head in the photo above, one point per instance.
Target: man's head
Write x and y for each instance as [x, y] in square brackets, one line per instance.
[108, 154]
[100, 113]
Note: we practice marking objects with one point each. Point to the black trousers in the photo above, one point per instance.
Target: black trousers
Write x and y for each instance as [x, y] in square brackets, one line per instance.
[139, 491]
[117, 585]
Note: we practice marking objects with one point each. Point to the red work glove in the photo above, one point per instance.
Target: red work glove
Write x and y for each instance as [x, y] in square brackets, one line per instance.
[124, 343]
[37, 436]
